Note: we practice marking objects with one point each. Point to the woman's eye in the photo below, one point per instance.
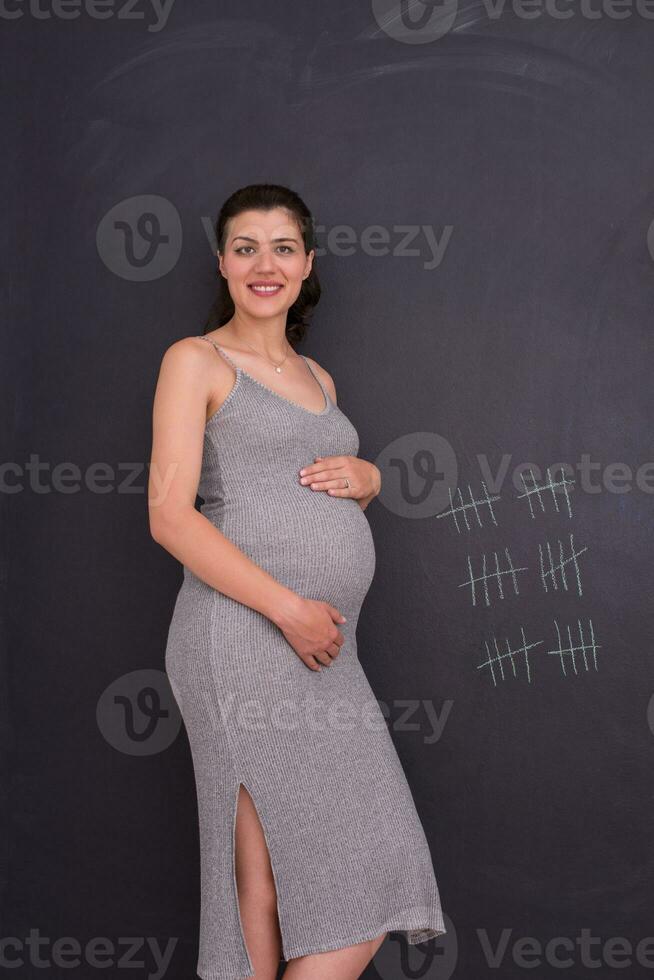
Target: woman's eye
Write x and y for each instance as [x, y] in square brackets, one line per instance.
[242, 249]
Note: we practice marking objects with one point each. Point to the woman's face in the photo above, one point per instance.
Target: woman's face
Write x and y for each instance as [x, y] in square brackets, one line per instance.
[264, 262]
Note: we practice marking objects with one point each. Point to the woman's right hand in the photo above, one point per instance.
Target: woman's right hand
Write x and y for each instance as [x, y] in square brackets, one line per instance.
[309, 626]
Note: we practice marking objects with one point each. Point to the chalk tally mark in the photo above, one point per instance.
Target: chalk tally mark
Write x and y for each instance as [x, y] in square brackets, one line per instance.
[539, 491]
[548, 571]
[495, 658]
[579, 650]
[491, 576]
[460, 507]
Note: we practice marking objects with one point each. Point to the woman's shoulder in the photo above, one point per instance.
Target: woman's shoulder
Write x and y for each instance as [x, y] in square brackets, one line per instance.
[188, 350]
[191, 361]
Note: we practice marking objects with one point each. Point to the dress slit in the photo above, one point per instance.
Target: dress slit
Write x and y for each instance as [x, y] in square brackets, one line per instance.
[242, 783]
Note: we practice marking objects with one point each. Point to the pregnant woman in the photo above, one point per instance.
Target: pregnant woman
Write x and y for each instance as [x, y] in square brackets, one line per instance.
[311, 847]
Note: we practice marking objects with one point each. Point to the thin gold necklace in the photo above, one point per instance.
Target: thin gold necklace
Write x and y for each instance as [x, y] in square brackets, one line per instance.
[277, 367]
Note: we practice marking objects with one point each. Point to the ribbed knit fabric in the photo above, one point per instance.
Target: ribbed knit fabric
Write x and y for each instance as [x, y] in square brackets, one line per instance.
[348, 851]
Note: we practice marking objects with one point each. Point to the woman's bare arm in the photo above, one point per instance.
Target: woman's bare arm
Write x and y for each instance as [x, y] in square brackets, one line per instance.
[183, 391]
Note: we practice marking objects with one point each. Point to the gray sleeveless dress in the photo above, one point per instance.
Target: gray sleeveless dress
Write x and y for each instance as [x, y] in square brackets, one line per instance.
[348, 851]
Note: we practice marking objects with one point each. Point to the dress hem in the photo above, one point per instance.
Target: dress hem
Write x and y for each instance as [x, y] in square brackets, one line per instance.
[343, 943]
[432, 933]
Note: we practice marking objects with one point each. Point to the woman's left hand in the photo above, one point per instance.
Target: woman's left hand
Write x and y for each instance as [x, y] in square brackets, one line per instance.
[334, 473]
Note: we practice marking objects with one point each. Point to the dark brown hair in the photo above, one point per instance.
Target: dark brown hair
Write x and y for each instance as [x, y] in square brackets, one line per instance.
[265, 197]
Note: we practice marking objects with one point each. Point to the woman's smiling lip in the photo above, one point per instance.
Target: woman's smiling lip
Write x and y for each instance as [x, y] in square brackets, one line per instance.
[265, 288]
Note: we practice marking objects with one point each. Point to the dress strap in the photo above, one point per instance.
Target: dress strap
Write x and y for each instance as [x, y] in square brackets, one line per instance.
[219, 350]
[322, 387]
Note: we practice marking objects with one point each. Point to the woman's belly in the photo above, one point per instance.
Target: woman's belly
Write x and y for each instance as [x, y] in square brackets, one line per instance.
[318, 545]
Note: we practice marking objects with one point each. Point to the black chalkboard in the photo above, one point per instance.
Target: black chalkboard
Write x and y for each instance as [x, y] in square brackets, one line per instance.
[481, 180]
